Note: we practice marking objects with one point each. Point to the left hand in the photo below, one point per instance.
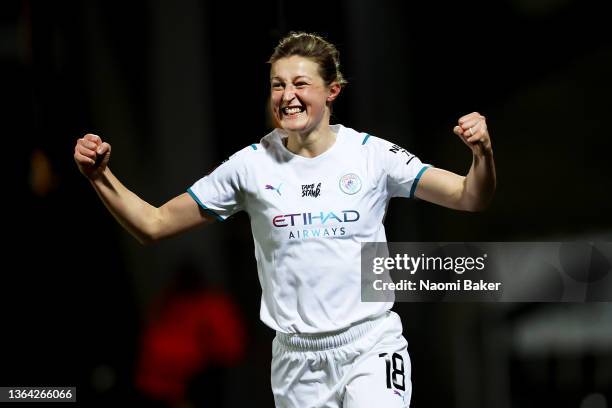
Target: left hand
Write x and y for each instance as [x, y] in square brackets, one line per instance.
[473, 131]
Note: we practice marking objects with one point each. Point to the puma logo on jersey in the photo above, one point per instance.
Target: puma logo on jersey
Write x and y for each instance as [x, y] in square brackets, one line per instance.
[277, 189]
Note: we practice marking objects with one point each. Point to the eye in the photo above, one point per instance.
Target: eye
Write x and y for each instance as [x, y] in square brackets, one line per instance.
[277, 85]
[301, 84]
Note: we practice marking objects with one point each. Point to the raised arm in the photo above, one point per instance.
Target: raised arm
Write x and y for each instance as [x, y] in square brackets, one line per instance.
[474, 191]
[145, 222]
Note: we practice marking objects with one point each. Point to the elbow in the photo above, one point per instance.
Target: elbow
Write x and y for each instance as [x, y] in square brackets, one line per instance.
[151, 233]
[149, 238]
[476, 201]
[478, 205]
[144, 238]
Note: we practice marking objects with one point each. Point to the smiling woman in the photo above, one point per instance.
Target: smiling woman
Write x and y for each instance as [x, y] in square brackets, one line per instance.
[305, 80]
[314, 192]
[301, 99]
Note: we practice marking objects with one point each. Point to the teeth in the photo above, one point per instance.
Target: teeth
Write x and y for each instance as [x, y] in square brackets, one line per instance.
[291, 111]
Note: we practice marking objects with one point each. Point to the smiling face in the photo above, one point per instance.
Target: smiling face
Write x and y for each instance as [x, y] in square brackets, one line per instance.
[299, 96]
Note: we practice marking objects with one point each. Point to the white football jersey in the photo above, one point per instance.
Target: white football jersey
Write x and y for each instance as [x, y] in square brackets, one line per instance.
[308, 218]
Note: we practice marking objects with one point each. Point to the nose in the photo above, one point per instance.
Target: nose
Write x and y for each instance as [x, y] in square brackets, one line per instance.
[289, 93]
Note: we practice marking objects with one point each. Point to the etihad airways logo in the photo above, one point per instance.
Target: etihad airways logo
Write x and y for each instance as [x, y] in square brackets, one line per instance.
[309, 218]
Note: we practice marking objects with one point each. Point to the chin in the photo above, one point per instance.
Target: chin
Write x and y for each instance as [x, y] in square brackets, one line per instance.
[294, 127]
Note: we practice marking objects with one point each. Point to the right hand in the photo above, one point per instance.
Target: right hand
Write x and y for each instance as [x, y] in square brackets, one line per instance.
[91, 155]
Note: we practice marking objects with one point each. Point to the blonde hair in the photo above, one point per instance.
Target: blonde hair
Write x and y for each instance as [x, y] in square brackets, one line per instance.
[314, 47]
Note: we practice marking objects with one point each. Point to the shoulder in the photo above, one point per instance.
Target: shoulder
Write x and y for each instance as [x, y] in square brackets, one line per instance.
[382, 152]
[380, 146]
[352, 137]
[367, 141]
[256, 150]
[379, 143]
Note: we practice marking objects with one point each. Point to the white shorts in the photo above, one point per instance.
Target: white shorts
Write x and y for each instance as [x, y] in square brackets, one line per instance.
[366, 365]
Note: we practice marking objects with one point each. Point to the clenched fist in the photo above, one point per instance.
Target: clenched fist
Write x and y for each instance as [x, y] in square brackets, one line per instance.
[473, 131]
[91, 155]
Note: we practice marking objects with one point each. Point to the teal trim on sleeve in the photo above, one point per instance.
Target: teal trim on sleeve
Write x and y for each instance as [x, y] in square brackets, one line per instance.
[416, 180]
[254, 146]
[365, 139]
[208, 210]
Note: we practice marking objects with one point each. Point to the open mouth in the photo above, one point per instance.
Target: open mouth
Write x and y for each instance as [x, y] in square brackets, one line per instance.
[292, 110]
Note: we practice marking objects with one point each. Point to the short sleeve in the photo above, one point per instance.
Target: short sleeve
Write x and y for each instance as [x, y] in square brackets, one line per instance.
[219, 192]
[403, 169]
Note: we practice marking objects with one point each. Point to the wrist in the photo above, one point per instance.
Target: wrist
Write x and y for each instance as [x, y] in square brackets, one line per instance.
[483, 152]
[98, 176]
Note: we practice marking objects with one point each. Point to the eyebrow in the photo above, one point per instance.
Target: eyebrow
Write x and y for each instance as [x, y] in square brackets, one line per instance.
[297, 77]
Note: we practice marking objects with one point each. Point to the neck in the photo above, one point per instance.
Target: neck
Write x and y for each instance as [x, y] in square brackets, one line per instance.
[314, 142]
[311, 144]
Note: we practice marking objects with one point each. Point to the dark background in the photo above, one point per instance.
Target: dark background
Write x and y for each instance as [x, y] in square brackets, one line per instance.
[178, 86]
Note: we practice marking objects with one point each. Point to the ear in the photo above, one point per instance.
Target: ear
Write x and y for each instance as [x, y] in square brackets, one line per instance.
[334, 91]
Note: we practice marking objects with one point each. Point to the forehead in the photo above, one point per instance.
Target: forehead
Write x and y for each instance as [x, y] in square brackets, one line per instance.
[294, 66]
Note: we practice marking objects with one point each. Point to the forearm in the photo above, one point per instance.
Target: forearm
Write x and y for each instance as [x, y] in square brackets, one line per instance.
[133, 213]
[479, 184]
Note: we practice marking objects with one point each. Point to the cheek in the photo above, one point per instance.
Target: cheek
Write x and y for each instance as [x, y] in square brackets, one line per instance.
[274, 104]
[312, 100]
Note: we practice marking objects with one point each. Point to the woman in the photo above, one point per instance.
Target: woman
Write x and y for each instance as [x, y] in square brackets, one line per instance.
[313, 192]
